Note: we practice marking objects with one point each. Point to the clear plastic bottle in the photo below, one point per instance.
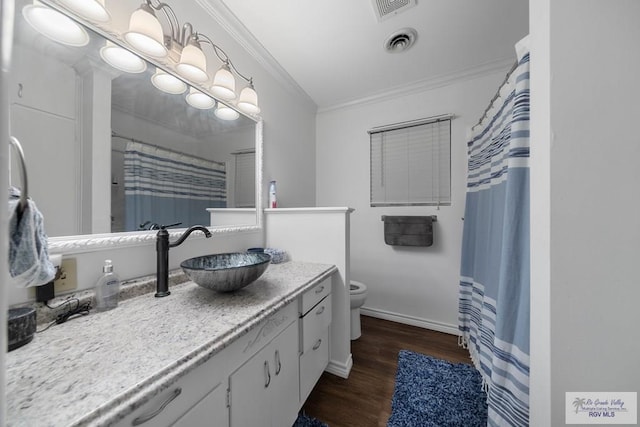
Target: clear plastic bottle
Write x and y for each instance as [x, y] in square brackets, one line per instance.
[272, 195]
[107, 288]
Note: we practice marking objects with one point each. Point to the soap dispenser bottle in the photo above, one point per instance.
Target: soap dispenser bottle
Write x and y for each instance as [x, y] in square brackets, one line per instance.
[107, 288]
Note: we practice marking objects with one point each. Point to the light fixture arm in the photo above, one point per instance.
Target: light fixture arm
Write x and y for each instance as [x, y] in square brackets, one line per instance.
[224, 57]
[170, 15]
[186, 34]
[248, 79]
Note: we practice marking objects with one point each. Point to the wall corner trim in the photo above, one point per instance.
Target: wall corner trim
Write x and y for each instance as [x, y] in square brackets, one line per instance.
[425, 84]
[411, 320]
[341, 369]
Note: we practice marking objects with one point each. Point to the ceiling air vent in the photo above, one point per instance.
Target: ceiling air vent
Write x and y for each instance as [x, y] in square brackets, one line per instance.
[387, 8]
[401, 40]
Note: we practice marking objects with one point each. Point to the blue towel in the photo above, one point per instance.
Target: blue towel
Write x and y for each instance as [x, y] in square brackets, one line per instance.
[29, 263]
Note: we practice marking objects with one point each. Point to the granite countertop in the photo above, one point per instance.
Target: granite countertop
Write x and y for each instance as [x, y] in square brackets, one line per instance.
[95, 369]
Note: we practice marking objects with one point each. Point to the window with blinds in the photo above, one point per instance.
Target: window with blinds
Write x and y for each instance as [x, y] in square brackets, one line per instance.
[411, 163]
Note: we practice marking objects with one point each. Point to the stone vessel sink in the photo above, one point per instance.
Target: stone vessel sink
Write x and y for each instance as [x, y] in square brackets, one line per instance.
[226, 272]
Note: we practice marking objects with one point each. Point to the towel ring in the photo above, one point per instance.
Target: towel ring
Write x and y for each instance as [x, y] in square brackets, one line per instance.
[24, 193]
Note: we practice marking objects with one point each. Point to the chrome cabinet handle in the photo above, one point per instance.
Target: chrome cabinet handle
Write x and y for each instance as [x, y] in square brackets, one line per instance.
[144, 418]
[317, 346]
[278, 364]
[267, 374]
[320, 289]
[320, 311]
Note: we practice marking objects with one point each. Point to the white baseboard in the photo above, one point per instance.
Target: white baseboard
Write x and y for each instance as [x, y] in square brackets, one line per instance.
[341, 369]
[411, 320]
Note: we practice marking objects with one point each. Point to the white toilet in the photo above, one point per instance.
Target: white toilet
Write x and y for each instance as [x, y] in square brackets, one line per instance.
[358, 293]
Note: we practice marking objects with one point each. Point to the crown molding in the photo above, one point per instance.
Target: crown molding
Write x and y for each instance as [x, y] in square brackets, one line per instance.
[221, 13]
[425, 84]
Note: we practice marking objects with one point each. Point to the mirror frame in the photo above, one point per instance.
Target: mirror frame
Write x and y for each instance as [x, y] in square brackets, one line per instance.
[96, 242]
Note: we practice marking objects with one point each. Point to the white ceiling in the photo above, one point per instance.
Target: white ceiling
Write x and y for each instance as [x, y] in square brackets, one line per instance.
[333, 49]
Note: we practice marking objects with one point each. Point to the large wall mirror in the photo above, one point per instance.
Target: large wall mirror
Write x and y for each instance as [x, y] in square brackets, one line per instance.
[111, 157]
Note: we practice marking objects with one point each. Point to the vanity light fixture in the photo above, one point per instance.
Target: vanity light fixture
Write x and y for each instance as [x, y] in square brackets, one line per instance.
[193, 62]
[55, 25]
[168, 83]
[181, 50]
[145, 32]
[122, 59]
[248, 101]
[225, 113]
[199, 100]
[93, 10]
[224, 84]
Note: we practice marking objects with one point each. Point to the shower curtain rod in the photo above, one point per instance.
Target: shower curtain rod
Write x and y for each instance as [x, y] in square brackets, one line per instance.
[139, 141]
[506, 79]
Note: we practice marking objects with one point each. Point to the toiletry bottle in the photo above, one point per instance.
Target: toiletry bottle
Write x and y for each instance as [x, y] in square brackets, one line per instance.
[272, 195]
[107, 288]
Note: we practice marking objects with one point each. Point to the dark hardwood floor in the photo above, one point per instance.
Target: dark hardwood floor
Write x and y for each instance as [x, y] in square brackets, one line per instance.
[364, 399]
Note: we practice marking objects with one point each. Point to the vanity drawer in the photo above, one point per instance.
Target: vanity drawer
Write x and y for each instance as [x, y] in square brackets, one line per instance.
[177, 399]
[313, 296]
[312, 363]
[314, 323]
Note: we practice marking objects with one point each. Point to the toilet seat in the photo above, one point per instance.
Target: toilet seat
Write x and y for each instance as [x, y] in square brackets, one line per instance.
[357, 288]
[357, 296]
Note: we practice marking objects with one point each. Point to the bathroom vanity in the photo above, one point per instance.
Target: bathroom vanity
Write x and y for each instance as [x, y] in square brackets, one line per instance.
[248, 358]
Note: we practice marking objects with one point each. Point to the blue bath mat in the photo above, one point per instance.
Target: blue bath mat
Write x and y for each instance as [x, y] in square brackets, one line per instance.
[307, 421]
[431, 392]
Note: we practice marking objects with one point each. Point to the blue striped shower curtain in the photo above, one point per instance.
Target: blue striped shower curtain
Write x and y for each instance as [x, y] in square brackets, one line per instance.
[165, 187]
[493, 314]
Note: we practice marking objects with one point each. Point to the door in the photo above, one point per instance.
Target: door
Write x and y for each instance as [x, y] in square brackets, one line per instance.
[284, 393]
[249, 387]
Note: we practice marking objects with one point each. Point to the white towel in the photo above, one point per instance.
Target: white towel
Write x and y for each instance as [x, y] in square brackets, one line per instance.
[29, 263]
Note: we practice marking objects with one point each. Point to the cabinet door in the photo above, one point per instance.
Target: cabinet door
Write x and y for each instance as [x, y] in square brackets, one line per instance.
[43, 82]
[211, 411]
[250, 405]
[264, 391]
[284, 393]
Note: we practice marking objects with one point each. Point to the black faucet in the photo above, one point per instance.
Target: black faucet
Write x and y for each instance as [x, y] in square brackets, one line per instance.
[162, 251]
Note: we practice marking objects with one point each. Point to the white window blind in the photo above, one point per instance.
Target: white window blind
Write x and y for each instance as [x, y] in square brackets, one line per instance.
[411, 163]
[245, 180]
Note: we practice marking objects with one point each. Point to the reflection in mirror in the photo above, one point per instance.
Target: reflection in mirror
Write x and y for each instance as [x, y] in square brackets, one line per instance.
[114, 151]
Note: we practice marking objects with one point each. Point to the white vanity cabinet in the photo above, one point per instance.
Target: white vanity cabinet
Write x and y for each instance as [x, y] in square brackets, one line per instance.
[264, 390]
[315, 320]
[262, 379]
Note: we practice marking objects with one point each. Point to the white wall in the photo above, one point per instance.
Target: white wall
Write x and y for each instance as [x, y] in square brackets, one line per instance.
[289, 117]
[541, 137]
[6, 15]
[411, 285]
[320, 235]
[594, 173]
